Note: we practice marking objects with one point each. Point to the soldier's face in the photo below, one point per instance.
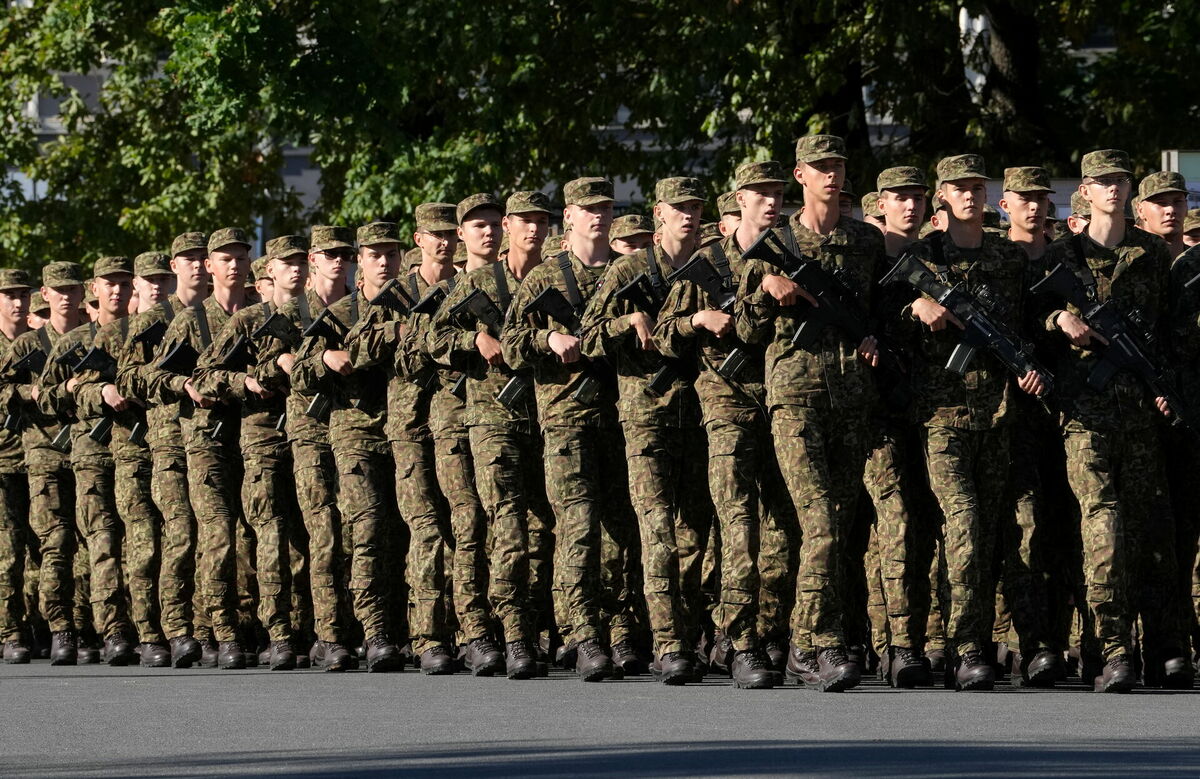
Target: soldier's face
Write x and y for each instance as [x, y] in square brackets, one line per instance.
[379, 263]
[1163, 214]
[1107, 194]
[631, 243]
[189, 269]
[332, 265]
[1026, 210]
[527, 232]
[680, 221]
[63, 300]
[760, 204]
[822, 179]
[481, 232]
[14, 306]
[729, 223]
[591, 222]
[438, 245]
[229, 266]
[112, 293]
[152, 290]
[289, 273]
[965, 198]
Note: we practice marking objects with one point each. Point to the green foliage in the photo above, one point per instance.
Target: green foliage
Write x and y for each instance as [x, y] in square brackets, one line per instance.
[402, 101]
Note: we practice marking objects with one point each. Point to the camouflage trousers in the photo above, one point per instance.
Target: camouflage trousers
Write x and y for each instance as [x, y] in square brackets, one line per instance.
[142, 547]
[1118, 476]
[214, 470]
[96, 515]
[14, 543]
[587, 484]
[751, 502]
[455, 467]
[968, 472]
[52, 517]
[268, 504]
[181, 606]
[668, 489]
[822, 454]
[316, 489]
[903, 537]
[425, 512]
[508, 474]
[1183, 463]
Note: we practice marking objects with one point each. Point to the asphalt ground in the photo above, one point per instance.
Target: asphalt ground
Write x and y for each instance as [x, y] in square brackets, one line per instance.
[99, 721]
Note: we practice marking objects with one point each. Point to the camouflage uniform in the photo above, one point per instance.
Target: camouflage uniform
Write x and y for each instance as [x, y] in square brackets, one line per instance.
[664, 445]
[15, 533]
[1183, 452]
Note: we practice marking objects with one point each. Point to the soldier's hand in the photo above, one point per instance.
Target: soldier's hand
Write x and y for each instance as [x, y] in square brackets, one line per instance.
[202, 401]
[72, 383]
[716, 322]
[33, 392]
[489, 348]
[1163, 406]
[1077, 331]
[643, 325]
[785, 291]
[338, 361]
[935, 315]
[253, 386]
[285, 362]
[868, 351]
[113, 398]
[565, 346]
[1032, 384]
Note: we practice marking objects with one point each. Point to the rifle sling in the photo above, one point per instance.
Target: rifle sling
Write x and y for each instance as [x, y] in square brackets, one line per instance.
[303, 310]
[720, 261]
[502, 290]
[572, 283]
[202, 324]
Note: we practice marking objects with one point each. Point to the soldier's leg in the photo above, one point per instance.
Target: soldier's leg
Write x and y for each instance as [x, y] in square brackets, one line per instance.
[877, 607]
[316, 489]
[693, 523]
[268, 478]
[456, 478]
[733, 457]
[1022, 581]
[142, 547]
[52, 517]
[177, 576]
[571, 465]
[367, 505]
[621, 602]
[214, 491]
[779, 550]
[97, 516]
[424, 511]
[892, 540]
[14, 523]
[300, 585]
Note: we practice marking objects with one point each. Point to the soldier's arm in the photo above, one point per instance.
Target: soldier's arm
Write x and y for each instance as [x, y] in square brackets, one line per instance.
[309, 372]
[373, 339]
[524, 341]
[674, 333]
[164, 386]
[450, 339]
[54, 399]
[755, 309]
[606, 320]
[215, 380]
[12, 383]
[267, 369]
[89, 384]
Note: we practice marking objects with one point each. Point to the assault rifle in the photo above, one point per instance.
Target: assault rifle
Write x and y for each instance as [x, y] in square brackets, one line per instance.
[701, 272]
[481, 306]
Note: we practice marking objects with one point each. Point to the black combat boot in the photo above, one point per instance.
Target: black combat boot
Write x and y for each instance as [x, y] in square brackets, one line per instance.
[673, 668]
[1042, 670]
[436, 661]
[231, 656]
[1116, 676]
[154, 655]
[720, 660]
[625, 659]
[185, 651]
[16, 652]
[777, 654]
[210, 653]
[383, 655]
[802, 667]
[483, 658]
[117, 650]
[906, 669]
[281, 656]
[836, 671]
[522, 661]
[1177, 672]
[62, 648]
[751, 670]
[973, 673]
[592, 662]
[332, 656]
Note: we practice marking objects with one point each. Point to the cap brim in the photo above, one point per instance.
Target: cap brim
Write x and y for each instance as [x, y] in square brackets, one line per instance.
[1029, 189]
[754, 182]
[1162, 191]
[11, 287]
[297, 253]
[623, 236]
[811, 158]
[593, 200]
[1109, 172]
[430, 227]
[922, 186]
[531, 210]
[332, 245]
[230, 243]
[674, 201]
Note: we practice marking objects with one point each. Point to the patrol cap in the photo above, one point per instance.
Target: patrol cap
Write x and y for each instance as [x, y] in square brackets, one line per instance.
[432, 218]
[727, 204]
[678, 189]
[751, 173]
[185, 242]
[226, 236]
[258, 270]
[710, 232]
[870, 204]
[473, 202]
[960, 166]
[151, 264]
[991, 215]
[527, 202]
[107, 266]
[812, 148]
[14, 279]
[283, 246]
[1051, 211]
[1161, 183]
[1105, 162]
[412, 257]
[380, 232]
[1027, 179]
[89, 297]
[900, 176]
[630, 225]
[1192, 220]
[1079, 206]
[324, 237]
[588, 191]
[38, 304]
[847, 190]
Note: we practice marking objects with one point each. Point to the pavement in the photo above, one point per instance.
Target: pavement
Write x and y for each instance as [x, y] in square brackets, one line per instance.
[99, 721]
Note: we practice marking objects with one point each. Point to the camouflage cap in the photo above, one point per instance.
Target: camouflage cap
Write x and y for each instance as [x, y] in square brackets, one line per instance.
[432, 218]
[630, 225]
[751, 173]
[1161, 183]
[847, 190]
[62, 274]
[811, 148]
[960, 166]
[412, 257]
[151, 264]
[710, 232]
[226, 236]
[1051, 211]
[900, 176]
[258, 270]
[727, 204]
[527, 202]
[1192, 220]
[1104, 162]
[678, 189]
[991, 215]
[38, 304]
[107, 266]
[870, 204]
[379, 232]
[1079, 206]
[1027, 179]
[185, 242]
[89, 297]
[472, 202]
[324, 237]
[284, 246]
[588, 191]
[14, 278]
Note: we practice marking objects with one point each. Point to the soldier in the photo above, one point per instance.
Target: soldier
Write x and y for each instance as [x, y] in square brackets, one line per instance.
[585, 476]
[60, 393]
[325, 367]
[1114, 457]
[664, 443]
[214, 466]
[1162, 208]
[39, 312]
[730, 214]
[14, 483]
[1191, 229]
[967, 417]
[630, 233]
[168, 425]
[870, 210]
[331, 252]
[1081, 213]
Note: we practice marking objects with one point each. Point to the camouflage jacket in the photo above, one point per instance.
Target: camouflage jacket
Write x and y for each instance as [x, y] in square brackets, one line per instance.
[831, 374]
[113, 340]
[11, 454]
[54, 399]
[136, 363]
[447, 411]
[1185, 326]
[607, 335]
[38, 428]
[526, 343]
